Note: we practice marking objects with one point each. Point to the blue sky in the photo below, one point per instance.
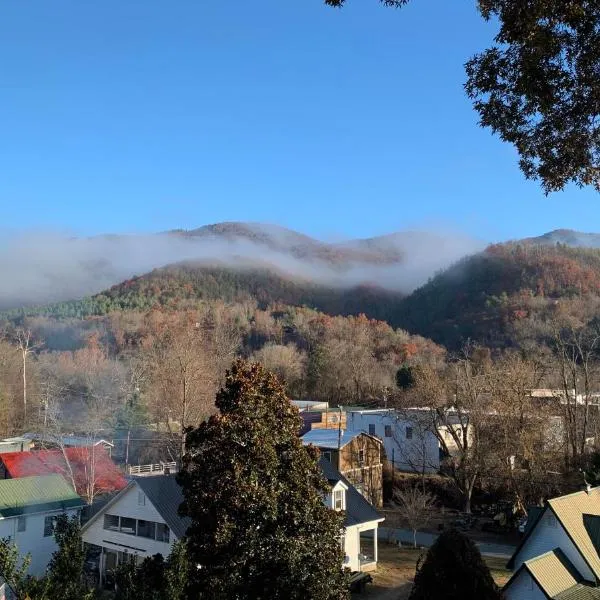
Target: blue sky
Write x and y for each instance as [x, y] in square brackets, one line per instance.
[144, 115]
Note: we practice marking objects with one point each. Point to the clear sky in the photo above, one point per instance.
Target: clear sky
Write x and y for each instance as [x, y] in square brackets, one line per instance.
[144, 115]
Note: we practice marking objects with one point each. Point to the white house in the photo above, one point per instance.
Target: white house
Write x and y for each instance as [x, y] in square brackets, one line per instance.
[28, 508]
[408, 439]
[140, 521]
[361, 522]
[559, 556]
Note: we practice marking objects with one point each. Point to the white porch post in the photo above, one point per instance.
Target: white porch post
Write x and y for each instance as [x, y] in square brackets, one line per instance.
[375, 543]
[101, 567]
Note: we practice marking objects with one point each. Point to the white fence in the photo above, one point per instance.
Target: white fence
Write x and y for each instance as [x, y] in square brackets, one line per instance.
[154, 469]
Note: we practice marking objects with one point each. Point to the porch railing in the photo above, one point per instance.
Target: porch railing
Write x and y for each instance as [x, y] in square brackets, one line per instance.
[153, 469]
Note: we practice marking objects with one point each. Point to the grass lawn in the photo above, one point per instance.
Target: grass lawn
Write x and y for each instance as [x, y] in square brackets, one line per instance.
[396, 570]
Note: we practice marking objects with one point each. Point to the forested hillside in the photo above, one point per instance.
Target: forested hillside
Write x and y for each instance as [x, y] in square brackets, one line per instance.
[508, 293]
[182, 286]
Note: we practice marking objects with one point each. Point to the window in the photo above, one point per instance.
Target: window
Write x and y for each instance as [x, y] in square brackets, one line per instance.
[338, 499]
[21, 523]
[127, 525]
[111, 522]
[162, 532]
[551, 521]
[371, 428]
[327, 456]
[146, 529]
[361, 457]
[388, 431]
[49, 526]
[409, 433]
[141, 499]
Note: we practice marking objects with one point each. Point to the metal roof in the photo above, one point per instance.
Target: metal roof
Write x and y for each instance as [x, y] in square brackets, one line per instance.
[329, 438]
[570, 511]
[579, 592]
[35, 494]
[553, 572]
[165, 494]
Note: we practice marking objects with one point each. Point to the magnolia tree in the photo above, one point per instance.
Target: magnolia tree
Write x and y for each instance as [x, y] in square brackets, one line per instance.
[254, 494]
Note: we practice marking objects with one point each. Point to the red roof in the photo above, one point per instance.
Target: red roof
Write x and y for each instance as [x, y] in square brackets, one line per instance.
[90, 468]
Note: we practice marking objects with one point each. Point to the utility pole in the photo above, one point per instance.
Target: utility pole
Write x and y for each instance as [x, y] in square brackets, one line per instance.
[127, 449]
[339, 434]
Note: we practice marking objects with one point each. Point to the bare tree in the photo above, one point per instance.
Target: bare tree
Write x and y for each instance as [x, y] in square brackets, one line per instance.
[456, 401]
[26, 344]
[576, 350]
[287, 362]
[416, 507]
[182, 376]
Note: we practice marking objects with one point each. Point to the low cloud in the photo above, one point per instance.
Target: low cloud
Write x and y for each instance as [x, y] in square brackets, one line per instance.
[39, 268]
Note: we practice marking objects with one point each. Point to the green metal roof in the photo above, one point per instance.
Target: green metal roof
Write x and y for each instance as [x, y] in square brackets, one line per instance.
[35, 494]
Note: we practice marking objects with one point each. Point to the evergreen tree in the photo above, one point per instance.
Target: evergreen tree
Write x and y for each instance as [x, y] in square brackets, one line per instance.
[154, 578]
[254, 493]
[454, 570]
[65, 570]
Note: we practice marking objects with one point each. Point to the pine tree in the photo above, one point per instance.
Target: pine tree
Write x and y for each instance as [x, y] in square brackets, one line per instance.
[454, 570]
[254, 493]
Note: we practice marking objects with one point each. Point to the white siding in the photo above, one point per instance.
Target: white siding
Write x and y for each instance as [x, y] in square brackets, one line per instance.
[418, 454]
[32, 540]
[351, 548]
[548, 535]
[524, 587]
[127, 506]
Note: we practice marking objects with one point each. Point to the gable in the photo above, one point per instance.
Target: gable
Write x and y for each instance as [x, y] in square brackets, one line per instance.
[548, 534]
[128, 503]
[570, 510]
[522, 585]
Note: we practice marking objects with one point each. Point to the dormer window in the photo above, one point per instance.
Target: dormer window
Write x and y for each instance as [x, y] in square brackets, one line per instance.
[338, 499]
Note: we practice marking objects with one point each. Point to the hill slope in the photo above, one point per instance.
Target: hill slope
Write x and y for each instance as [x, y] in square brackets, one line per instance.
[485, 297]
[184, 285]
[39, 269]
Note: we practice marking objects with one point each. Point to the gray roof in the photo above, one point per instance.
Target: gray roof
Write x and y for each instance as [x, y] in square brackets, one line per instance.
[329, 438]
[165, 494]
[358, 508]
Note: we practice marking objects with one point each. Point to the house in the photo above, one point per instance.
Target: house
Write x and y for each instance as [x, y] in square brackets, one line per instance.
[410, 444]
[559, 555]
[28, 508]
[356, 455]
[322, 419]
[90, 470]
[310, 405]
[45, 441]
[141, 521]
[361, 520]
[16, 444]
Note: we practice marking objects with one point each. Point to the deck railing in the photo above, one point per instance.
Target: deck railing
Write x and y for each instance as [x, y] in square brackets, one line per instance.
[153, 469]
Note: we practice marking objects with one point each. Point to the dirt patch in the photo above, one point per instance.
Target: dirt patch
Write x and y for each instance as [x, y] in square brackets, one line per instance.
[396, 570]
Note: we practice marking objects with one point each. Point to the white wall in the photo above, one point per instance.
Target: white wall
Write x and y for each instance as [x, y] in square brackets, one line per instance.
[351, 548]
[524, 587]
[416, 454]
[127, 506]
[548, 535]
[32, 540]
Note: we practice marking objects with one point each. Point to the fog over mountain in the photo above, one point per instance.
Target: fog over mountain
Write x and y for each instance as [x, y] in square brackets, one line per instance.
[38, 268]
